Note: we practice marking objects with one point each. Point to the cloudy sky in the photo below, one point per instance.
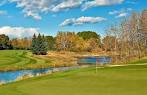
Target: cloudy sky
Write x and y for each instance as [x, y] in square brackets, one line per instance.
[21, 18]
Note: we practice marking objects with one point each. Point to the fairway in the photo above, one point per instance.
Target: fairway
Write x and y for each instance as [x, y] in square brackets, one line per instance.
[24, 59]
[19, 59]
[128, 80]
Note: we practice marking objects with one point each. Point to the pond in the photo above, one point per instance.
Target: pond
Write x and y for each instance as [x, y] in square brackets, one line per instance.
[11, 76]
[94, 59]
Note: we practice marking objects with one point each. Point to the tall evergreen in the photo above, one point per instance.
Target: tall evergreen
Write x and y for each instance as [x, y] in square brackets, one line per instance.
[34, 44]
[39, 46]
[43, 46]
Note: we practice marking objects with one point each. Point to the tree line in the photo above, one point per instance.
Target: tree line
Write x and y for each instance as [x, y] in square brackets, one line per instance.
[63, 41]
[7, 43]
[124, 40]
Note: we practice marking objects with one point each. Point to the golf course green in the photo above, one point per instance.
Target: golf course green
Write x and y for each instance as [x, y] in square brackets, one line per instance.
[123, 80]
[126, 80]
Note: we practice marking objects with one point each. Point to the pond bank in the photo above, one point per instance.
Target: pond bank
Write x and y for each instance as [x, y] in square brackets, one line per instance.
[12, 76]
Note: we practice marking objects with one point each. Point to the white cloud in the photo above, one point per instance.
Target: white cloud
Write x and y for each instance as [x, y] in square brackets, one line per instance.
[82, 20]
[67, 22]
[34, 15]
[34, 8]
[67, 4]
[121, 15]
[95, 3]
[18, 32]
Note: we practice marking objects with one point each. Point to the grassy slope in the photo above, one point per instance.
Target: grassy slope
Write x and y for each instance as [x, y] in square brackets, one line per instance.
[11, 59]
[21, 59]
[129, 80]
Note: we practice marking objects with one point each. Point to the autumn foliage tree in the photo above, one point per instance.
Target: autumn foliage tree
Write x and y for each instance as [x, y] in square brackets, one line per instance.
[65, 41]
[82, 41]
[23, 43]
[108, 43]
[92, 41]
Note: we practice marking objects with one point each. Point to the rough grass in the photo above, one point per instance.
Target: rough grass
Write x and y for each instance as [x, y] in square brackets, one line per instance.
[128, 80]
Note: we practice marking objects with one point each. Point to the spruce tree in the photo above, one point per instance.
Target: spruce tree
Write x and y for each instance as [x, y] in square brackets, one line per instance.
[39, 45]
[43, 46]
[34, 46]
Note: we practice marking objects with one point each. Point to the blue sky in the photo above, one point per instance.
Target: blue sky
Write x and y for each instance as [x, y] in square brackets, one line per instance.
[19, 18]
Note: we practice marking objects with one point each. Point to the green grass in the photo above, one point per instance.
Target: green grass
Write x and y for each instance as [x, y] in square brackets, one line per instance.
[128, 80]
[23, 59]
[140, 61]
[20, 59]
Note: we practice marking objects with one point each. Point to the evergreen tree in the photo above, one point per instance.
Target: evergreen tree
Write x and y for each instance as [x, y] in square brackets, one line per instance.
[34, 44]
[43, 46]
[39, 46]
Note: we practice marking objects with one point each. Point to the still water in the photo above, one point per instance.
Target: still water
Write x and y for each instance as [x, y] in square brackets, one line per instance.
[12, 76]
[94, 60]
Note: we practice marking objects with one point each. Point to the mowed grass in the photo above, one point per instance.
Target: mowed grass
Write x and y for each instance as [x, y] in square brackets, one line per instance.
[19, 59]
[24, 59]
[127, 80]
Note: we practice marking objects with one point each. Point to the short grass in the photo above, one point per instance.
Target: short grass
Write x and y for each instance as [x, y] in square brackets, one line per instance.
[127, 80]
[23, 59]
[19, 59]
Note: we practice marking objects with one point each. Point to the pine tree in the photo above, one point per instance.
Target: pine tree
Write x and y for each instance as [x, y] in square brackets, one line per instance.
[39, 45]
[43, 46]
[34, 46]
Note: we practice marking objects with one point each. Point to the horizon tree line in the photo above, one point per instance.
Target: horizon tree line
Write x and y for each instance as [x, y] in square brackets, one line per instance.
[123, 41]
